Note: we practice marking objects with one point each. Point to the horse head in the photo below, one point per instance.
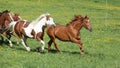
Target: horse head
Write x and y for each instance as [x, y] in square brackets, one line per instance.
[49, 20]
[5, 15]
[16, 17]
[86, 23]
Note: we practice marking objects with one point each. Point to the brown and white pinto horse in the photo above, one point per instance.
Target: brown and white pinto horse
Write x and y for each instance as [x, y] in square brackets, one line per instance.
[35, 29]
[7, 34]
[15, 17]
[69, 32]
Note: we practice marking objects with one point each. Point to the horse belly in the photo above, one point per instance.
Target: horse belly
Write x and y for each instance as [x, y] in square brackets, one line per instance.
[28, 32]
[62, 35]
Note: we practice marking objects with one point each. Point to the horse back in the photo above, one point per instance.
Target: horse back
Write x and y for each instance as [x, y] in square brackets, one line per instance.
[60, 32]
[19, 27]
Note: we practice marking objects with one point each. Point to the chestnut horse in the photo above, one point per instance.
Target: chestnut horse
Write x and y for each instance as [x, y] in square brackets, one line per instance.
[69, 32]
[35, 29]
[15, 17]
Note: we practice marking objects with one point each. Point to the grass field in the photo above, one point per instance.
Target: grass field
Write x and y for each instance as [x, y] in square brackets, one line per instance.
[102, 46]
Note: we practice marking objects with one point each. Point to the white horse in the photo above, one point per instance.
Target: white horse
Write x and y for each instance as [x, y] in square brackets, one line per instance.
[35, 29]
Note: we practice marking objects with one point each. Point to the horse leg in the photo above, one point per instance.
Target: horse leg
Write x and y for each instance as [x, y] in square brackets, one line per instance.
[25, 44]
[79, 44]
[81, 48]
[49, 45]
[8, 36]
[43, 45]
[42, 42]
[2, 39]
[15, 38]
[56, 46]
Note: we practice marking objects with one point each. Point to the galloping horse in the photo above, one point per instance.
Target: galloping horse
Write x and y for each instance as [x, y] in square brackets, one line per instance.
[15, 17]
[69, 32]
[35, 29]
[4, 24]
[4, 16]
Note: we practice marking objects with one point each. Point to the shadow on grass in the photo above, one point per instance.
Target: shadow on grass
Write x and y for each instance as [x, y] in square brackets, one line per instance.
[7, 43]
[67, 52]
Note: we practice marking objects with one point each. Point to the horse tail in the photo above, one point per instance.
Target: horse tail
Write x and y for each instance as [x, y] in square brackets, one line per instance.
[10, 26]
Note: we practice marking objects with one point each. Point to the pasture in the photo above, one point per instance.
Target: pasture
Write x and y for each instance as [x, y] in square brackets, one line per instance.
[102, 46]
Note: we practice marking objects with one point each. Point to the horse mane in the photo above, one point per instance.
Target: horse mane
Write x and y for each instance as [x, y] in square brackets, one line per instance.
[39, 18]
[76, 17]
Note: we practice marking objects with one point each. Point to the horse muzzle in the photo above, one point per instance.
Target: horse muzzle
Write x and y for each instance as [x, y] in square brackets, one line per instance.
[53, 25]
[90, 29]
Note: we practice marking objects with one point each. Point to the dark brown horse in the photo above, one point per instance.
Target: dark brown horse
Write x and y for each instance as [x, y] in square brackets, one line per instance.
[4, 23]
[69, 32]
[35, 29]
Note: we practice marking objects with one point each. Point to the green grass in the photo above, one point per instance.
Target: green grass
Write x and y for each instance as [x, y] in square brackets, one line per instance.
[102, 46]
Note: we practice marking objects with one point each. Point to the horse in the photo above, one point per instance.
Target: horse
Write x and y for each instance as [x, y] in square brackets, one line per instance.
[4, 16]
[10, 33]
[7, 34]
[69, 32]
[34, 29]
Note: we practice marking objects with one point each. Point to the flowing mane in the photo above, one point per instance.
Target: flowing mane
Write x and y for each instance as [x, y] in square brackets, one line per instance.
[76, 17]
[39, 18]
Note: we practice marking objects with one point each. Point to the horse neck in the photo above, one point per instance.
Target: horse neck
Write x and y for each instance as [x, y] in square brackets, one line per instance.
[3, 21]
[77, 25]
[39, 23]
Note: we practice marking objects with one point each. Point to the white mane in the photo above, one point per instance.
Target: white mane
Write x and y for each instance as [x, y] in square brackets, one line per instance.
[39, 18]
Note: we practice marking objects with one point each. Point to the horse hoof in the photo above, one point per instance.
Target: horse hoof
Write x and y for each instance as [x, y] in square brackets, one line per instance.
[39, 49]
[17, 43]
[11, 45]
[83, 54]
[28, 49]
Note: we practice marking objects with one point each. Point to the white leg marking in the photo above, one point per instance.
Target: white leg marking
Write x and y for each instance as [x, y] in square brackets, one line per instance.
[11, 45]
[43, 44]
[27, 48]
[17, 42]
